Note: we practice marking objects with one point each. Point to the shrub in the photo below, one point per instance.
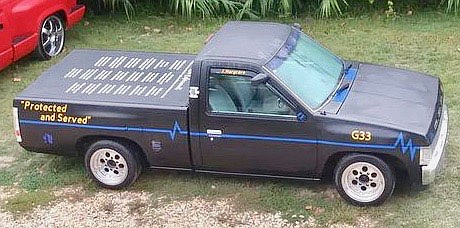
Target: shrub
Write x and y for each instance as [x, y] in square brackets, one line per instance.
[251, 9]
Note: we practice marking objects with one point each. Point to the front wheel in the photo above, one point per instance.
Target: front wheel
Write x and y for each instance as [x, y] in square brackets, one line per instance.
[111, 164]
[52, 37]
[364, 180]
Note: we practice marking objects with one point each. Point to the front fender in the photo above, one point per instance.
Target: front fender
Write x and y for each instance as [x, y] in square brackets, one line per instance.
[335, 140]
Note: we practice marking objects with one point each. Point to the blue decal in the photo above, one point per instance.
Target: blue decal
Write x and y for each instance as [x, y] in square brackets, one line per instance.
[301, 117]
[350, 75]
[406, 146]
[340, 96]
[176, 129]
[48, 138]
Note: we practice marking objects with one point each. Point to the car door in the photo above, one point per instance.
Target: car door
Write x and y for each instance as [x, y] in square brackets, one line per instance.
[6, 48]
[26, 21]
[252, 129]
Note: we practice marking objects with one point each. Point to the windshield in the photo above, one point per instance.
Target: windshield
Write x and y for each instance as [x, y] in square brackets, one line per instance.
[311, 71]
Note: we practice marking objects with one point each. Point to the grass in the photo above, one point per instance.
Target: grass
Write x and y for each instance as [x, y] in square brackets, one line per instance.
[426, 42]
[24, 202]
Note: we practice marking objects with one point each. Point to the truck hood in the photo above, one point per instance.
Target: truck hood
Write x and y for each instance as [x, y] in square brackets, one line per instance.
[395, 98]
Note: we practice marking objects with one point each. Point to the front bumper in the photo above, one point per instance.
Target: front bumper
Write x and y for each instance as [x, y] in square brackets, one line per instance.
[438, 146]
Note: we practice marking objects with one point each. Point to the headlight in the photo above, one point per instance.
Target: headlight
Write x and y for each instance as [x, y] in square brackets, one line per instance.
[425, 155]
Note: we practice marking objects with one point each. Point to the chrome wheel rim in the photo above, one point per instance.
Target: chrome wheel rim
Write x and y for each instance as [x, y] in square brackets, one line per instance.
[363, 182]
[108, 166]
[52, 36]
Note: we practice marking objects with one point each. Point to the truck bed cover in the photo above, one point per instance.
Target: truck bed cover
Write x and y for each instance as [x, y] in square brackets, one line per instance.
[117, 76]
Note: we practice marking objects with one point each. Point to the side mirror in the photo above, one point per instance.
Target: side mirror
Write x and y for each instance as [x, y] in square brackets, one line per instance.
[301, 117]
[259, 79]
[297, 26]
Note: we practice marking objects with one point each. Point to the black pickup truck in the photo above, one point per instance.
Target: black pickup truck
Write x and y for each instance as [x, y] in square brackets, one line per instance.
[261, 99]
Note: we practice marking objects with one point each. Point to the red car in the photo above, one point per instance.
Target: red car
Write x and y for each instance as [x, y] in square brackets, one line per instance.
[35, 25]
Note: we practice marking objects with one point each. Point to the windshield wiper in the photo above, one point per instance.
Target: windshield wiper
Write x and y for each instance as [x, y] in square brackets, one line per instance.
[350, 64]
[343, 87]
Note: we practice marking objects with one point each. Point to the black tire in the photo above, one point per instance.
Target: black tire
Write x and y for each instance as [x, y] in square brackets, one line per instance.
[363, 180]
[56, 36]
[120, 168]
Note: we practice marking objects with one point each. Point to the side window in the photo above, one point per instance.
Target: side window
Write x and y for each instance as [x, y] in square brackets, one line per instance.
[234, 93]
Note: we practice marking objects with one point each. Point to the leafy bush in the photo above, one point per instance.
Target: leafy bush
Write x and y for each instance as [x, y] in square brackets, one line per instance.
[328, 7]
[453, 5]
[248, 8]
[237, 8]
[264, 8]
[112, 5]
[206, 8]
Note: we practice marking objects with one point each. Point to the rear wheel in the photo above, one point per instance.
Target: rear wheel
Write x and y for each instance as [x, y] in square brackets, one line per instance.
[52, 37]
[111, 164]
[364, 180]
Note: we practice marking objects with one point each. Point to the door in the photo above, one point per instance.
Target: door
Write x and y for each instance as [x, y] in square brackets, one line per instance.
[252, 129]
[6, 48]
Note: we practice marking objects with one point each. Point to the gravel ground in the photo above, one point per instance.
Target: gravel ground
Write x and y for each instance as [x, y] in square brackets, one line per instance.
[74, 208]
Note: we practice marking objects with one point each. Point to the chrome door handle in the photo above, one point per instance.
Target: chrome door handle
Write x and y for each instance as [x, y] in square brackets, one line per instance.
[213, 133]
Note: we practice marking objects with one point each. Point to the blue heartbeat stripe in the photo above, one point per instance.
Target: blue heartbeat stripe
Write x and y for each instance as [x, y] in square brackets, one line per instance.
[171, 132]
[177, 130]
[406, 146]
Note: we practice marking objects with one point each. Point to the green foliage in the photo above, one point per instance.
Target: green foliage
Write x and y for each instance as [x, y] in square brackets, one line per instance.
[205, 8]
[26, 201]
[390, 12]
[112, 5]
[453, 5]
[45, 172]
[329, 7]
[427, 41]
[264, 8]
[6, 177]
[252, 9]
[237, 8]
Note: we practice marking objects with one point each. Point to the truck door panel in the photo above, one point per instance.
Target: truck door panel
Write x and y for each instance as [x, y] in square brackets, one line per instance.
[252, 129]
[23, 45]
[6, 48]
[26, 24]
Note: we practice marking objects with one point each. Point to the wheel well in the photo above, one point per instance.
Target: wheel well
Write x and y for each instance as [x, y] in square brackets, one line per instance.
[61, 14]
[399, 168]
[84, 143]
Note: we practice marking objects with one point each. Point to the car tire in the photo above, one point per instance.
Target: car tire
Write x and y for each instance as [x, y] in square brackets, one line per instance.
[51, 38]
[112, 164]
[364, 180]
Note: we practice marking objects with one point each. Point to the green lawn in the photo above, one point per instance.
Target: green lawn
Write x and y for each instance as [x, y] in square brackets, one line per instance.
[426, 42]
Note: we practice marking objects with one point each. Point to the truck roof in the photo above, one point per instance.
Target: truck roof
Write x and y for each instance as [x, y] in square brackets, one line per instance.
[116, 76]
[254, 42]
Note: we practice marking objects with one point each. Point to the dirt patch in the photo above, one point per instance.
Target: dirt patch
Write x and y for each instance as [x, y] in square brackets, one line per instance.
[220, 213]
[135, 209]
[71, 194]
[361, 222]
[75, 208]
[366, 222]
[104, 209]
[6, 161]
[7, 192]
